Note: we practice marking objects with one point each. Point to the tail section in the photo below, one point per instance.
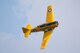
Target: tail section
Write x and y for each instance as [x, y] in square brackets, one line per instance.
[27, 30]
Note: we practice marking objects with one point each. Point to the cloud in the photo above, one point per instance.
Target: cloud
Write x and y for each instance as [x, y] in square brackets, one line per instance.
[64, 40]
[6, 38]
[10, 44]
[21, 8]
[29, 10]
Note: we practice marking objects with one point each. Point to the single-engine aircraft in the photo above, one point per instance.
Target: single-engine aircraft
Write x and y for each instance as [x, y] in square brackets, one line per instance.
[47, 27]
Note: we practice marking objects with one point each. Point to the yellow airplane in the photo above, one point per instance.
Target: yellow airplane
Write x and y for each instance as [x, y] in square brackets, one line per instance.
[47, 28]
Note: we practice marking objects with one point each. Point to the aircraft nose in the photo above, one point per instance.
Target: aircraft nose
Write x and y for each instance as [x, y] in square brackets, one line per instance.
[57, 24]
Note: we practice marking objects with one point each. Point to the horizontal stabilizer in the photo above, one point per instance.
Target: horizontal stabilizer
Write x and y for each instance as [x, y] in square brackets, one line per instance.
[27, 30]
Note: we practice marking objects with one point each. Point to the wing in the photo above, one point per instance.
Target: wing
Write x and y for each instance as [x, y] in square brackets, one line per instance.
[46, 38]
[50, 14]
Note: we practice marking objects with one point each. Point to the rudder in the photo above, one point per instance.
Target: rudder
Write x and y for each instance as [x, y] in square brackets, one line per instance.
[27, 30]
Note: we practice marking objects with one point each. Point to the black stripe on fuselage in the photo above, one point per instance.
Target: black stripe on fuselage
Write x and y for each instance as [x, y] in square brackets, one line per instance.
[48, 24]
[51, 23]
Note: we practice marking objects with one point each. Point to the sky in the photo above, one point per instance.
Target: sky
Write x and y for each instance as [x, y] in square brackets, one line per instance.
[15, 14]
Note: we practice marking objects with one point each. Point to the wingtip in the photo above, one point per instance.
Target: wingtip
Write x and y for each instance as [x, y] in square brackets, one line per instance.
[25, 36]
[43, 47]
[50, 6]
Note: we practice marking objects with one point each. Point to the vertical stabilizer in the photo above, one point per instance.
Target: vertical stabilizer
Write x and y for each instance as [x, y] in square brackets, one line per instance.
[27, 30]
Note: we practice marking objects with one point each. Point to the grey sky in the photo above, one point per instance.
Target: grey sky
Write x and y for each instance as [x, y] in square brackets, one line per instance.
[18, 13]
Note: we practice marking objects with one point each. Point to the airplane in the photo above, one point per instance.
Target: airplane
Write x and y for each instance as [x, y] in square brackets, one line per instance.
[47, 27]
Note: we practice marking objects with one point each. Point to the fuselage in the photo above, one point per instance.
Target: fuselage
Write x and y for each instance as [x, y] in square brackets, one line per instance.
[45, 27]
